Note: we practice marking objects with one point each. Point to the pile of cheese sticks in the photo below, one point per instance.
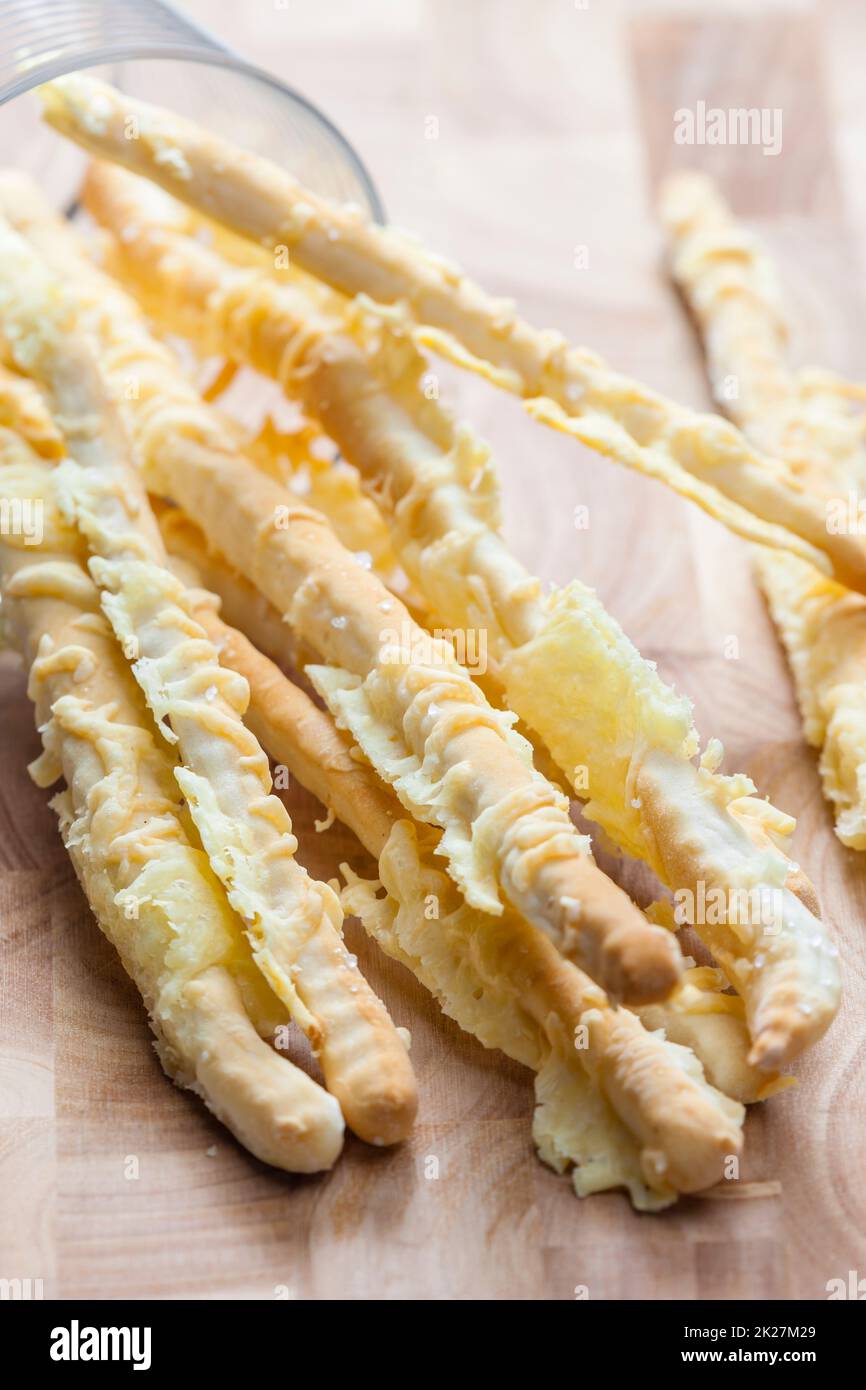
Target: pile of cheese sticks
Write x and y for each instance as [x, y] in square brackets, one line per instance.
[189, 568]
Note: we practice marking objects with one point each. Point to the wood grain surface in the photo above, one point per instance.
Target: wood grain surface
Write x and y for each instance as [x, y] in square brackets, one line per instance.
[555, 120]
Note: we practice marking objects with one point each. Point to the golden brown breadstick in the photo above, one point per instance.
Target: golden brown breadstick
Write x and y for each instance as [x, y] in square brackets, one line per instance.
[293, 921]
[453, 760]
[730, 285]
[823, 630]
[571, 389]
[305, 461]
[441, 492]
[241, 603]
[628, 1108]
[301, 736]
[122, 819]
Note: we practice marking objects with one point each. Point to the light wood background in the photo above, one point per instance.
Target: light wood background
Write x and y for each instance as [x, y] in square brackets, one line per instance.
[555, 120]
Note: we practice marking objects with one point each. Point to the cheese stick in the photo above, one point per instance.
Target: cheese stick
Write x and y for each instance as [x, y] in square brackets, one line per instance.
[643, 1112]
[241, 603]
[569, 388]
[823, 630]
[293, 922]
[307, 463]
[635, 742]
[730, 285]
[150, 886]
[453, 760]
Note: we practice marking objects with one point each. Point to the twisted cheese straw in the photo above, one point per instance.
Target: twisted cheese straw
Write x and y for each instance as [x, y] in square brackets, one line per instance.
[502, 979]
[702, 457]
[632, 734]
[151, 888]
[730, 285]
[293, 922]
[329, 486]
[241, 603]
[453, 760]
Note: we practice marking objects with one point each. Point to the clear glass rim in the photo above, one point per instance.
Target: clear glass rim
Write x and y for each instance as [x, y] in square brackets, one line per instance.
[219, 57]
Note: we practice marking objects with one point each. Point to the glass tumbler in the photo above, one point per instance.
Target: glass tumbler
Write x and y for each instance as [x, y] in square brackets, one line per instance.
[151, 50]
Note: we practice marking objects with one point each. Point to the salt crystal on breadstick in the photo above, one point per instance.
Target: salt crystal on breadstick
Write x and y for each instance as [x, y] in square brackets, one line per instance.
[152, 891]
[293, 922]
[569, 388]
[628, 1108]
[443, 502]
[454, 760]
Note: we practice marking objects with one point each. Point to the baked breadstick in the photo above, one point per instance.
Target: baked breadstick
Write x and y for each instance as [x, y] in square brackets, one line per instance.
[293, 922]
[443, 501]
[703, 457]
[122, 819]
[305, 462]
[628, 1108]
[730, 285]
[299, 735]
[823, 630]
[240, 601]
[453, 760]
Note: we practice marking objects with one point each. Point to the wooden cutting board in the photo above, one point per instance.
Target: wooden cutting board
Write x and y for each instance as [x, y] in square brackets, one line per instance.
[554, 122]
